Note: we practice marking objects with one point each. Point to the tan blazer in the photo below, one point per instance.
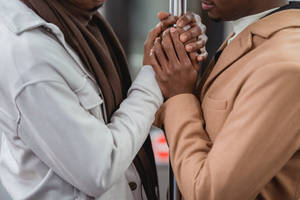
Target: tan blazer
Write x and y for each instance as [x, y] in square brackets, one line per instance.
[242, 141]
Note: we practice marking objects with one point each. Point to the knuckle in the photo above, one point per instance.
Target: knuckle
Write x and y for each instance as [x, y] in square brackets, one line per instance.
[189, 13]
[172, 18]
[145, 45]
[184, 18]
[193, 46]
[200, 44]
[151, 32]
[203, 49]
[190, 16]
[197, 17]
[194, 55]
[157, 50]
[177, 67]
[204, 28]
[186, 63]
[169, 73]
[164, 78]
[163, 22]
[165, 44]
[196, 31]
[168, 48]
[199, 29]
[206, 38]
[189, 34]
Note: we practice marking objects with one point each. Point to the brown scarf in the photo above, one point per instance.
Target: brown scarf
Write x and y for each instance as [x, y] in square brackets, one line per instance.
[96, 44]
[87, 32]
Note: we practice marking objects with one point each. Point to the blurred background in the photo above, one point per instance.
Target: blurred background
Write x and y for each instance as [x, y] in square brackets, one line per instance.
[132, 20]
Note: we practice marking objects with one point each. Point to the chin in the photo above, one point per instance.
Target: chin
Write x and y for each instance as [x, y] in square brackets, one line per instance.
[214, 17]
[95, 7]
[100, 5]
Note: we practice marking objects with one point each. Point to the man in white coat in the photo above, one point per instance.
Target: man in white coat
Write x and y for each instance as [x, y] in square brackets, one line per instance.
[73, 123]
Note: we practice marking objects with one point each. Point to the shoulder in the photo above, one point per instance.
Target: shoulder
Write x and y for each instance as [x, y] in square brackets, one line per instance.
[27, 48]
[32, 56]
[283, 46]
[277, 55]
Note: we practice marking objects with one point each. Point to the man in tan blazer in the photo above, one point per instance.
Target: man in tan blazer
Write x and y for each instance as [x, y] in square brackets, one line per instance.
[239, 138]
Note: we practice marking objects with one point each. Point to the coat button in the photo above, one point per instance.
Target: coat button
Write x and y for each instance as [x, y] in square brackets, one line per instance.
[132, 186]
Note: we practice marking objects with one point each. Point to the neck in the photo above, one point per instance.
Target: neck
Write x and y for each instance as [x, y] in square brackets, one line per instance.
[84, 16]
[84, 6]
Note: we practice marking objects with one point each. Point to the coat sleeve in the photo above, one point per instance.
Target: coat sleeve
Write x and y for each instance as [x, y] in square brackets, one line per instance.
[80, 148]
[260, 135]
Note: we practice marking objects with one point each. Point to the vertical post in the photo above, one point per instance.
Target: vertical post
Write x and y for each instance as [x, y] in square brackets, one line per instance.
[176, 8]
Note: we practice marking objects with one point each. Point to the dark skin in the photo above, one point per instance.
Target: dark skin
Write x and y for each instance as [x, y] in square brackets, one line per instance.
[229, 10]
[191, 43]
[178, 75]
[176, 72]
[194, 38]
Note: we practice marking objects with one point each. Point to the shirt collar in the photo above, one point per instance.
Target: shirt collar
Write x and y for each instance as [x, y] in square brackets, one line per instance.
[242, 23]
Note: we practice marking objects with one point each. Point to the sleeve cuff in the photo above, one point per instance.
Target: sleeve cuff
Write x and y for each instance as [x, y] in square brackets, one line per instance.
[146, 79]
[181, 104]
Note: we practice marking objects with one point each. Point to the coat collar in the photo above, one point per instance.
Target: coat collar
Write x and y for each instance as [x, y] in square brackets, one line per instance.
[19, 18]
[243, 43]
[276, 22]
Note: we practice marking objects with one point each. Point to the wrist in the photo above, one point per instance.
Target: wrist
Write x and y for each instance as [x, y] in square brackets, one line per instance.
[178, 94]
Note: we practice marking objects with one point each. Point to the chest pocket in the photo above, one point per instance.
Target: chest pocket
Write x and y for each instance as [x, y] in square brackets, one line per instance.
[90, 99]
[215, 113]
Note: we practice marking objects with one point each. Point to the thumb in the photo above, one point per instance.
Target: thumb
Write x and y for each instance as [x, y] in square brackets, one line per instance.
[155, 32]
[163, 15]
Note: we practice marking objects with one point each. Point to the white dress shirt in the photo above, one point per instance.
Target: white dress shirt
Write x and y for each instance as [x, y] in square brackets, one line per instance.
[56, 143]
[242, 23]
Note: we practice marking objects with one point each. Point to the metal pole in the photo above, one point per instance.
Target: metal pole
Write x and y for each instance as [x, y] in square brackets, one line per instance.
[176, 8]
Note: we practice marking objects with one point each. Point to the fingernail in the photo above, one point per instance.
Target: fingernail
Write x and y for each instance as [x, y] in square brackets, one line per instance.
[187, 27]
[151, 52]
[165, 32]
[180, 23]
[173, 30]
[200, 58]
[189, 47]
[158, 25]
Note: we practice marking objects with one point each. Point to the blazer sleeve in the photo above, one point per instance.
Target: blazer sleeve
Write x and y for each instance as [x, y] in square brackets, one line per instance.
[260, 135]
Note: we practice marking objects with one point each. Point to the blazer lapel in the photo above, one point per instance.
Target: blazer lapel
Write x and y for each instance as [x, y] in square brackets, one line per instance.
[241, 45]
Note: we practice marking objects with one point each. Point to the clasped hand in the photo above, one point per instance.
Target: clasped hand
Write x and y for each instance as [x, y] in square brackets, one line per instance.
[175, 53]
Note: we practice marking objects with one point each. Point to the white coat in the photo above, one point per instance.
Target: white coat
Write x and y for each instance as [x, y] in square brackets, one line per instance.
[56, 144]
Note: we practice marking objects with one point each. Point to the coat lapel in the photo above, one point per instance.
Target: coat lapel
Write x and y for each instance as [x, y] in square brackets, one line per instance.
[236, 49]
[243, 43]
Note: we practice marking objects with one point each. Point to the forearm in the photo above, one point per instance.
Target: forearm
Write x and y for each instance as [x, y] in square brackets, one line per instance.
[135, 117]
[188, 141]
